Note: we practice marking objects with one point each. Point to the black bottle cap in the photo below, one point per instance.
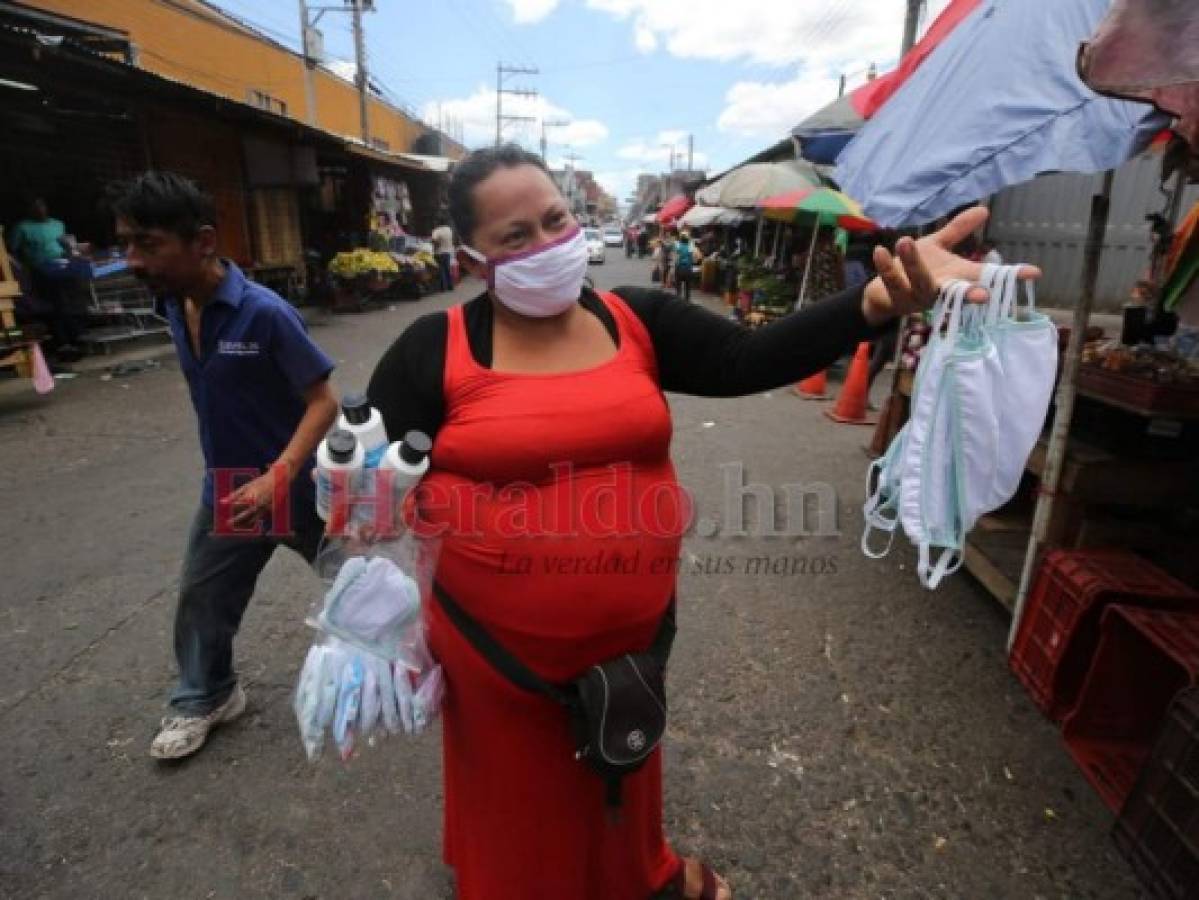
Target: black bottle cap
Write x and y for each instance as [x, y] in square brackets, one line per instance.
[342, 445]
[415, 447]
[356, 408]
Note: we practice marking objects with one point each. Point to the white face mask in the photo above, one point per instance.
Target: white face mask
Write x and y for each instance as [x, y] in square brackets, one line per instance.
[542, 282]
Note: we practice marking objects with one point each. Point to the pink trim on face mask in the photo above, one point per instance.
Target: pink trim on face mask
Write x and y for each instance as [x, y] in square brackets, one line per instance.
[492, 262]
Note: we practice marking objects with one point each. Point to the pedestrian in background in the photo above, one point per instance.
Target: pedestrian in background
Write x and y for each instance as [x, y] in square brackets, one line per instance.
[684, 266]
[260, 388]
[443, 250]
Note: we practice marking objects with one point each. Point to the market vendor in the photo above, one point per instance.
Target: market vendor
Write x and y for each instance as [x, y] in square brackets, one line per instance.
[539, 391]
[39, 242]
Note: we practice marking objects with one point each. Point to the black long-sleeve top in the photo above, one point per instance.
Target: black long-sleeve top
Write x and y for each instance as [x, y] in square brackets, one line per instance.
[698, 352]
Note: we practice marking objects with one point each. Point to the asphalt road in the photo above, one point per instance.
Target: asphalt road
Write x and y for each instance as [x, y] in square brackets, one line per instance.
[836, 730]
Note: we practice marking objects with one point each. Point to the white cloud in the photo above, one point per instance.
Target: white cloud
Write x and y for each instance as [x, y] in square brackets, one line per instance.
[477, 115]
[763, 109]
[656, 151]
[526, 12]
[645, 39]
[772, 32]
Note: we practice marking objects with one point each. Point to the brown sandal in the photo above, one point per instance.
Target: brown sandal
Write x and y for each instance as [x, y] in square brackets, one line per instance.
[710, 882]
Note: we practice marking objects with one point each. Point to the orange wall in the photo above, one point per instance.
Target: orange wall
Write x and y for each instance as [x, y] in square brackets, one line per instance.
[184, 40]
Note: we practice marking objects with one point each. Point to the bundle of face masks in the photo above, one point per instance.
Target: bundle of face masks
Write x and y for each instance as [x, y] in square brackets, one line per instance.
[981, 393]
[369, 672]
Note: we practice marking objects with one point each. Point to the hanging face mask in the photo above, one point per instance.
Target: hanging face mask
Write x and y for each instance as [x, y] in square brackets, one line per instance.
[542, 282]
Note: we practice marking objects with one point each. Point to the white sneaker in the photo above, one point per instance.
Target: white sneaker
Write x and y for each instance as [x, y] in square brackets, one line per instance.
[183, 735]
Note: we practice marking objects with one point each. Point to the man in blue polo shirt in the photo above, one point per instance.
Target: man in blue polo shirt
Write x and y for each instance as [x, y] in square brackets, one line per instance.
[263, 402]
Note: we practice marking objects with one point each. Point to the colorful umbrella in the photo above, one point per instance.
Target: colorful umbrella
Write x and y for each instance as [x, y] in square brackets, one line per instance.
[829, 207]
[673, 208]
[820, 206]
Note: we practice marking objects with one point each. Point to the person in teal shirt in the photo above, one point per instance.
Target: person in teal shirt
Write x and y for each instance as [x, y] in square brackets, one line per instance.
[37, 240]
[37, 243]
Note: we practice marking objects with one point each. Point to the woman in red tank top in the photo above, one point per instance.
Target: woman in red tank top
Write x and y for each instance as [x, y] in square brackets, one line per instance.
[552, 485]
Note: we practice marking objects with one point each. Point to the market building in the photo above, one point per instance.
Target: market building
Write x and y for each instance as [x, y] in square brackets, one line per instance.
[90, 102]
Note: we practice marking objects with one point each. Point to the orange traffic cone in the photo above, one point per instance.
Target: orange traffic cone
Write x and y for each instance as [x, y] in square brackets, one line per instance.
[850, 407]
[814, 387]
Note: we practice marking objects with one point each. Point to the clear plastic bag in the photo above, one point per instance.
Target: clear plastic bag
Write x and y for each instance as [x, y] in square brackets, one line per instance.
[369, 671]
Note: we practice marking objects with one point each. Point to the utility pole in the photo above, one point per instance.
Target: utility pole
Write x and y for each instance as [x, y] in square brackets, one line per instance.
[571, 158]
[910, 23]
[360, 73]
[690, 152]
[551, 123]
[311, 57]
[670, 147]
[841, 88]
[501, 71]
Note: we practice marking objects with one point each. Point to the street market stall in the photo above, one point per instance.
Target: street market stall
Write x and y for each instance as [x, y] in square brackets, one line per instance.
[1119, 464]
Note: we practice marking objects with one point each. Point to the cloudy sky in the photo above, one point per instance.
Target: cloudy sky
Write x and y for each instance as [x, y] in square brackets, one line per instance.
[634, 78]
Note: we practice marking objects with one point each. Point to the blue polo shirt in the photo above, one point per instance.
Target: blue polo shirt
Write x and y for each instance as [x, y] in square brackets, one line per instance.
[256, 360]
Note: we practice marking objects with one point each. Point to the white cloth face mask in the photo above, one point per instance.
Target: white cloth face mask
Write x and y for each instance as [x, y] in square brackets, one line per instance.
[1028, 351]
[542, 282]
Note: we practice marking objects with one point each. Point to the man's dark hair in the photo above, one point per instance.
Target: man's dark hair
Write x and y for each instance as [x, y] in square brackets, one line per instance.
[164, 200]
[476, 167]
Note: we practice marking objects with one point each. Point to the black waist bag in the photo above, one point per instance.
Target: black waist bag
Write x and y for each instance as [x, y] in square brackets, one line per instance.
[617, 708]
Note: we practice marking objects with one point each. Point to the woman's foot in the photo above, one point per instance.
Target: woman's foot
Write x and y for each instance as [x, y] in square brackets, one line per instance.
[700, 883]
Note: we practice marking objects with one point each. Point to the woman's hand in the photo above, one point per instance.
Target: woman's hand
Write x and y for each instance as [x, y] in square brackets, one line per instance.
[909, 281]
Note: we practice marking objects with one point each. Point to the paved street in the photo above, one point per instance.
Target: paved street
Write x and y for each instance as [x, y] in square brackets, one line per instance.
[836, 730]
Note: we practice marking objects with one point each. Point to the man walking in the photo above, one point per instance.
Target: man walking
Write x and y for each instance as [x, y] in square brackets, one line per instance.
[260, 389]
[443, 249]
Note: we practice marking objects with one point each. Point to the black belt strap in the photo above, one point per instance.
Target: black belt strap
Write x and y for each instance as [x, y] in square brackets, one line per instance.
[520, 674]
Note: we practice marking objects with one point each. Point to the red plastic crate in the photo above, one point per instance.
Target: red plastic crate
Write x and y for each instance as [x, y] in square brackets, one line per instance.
[1145, 657]
[1158, 829]
[1060, 628]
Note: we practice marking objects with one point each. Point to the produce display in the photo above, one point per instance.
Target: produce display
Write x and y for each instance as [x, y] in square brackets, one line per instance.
[360, 262]
[1162, 365]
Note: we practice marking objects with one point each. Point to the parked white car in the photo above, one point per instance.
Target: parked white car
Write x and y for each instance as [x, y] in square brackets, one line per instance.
[595, 245]
[613, 236]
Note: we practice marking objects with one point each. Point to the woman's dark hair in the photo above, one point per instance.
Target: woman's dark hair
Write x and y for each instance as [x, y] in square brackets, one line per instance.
[164, 200]
[477, 167]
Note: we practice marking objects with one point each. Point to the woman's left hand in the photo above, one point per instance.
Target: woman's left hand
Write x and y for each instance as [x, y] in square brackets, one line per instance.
[909, 281]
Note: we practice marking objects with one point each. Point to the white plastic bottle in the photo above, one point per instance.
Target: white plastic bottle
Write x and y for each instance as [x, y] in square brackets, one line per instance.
[363, 421]
[339, 452]
[409, 459]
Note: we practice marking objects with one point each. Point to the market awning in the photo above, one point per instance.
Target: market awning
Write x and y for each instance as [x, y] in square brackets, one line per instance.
[703, 216]
[673, 208]
[403, 160]
[997, 103]
[1149, 50]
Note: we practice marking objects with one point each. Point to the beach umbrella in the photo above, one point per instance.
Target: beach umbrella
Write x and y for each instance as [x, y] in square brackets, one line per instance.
[823, 135]
[997, 103]
[827, 206]
[822, 207]
[746, 186]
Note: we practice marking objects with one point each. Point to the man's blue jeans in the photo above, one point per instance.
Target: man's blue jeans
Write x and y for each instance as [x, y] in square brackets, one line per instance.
[219, 574]
[445, 270]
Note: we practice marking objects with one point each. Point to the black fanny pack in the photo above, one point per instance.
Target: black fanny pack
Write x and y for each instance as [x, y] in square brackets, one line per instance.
[617, 708]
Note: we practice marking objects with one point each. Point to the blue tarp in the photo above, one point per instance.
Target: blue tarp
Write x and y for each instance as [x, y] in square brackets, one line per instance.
[996, 104]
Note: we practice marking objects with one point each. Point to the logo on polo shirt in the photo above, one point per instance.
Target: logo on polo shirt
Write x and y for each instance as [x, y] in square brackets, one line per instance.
[237, 348]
